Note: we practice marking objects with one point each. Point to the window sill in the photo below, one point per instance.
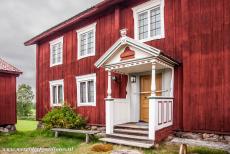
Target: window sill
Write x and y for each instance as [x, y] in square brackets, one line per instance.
[86, 104]
[81, 57]
[52, 65]
[152, 38]
[56, 105]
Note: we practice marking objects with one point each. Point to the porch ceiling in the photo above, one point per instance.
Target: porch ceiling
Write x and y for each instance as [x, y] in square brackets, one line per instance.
[134, 68]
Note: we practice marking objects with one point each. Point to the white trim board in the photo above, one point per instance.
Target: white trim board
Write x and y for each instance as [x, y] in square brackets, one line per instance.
[53, 83]
[144, 7]
[85, 78]
[82, 31]
[54, 42]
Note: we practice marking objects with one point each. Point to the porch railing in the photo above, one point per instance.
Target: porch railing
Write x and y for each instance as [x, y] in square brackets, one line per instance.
[121, 111]
[117, 112]
[164, 112]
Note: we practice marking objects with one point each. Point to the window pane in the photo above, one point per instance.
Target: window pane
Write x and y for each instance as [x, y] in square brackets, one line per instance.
[53, 54]
[83, 44]
[90, 91]
[90, 41]
[59, 52]
[56, 53]
[155, 21]
[60, 94]
[143, 25]
[83, 92]
[54, 90]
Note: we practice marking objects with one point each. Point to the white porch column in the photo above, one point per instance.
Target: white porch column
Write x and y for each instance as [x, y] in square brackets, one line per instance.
[172, 83]
[109, 107]
[109, 90]
[152, 105]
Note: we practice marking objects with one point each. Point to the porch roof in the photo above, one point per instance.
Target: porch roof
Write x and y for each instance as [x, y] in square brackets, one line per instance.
[147, 54]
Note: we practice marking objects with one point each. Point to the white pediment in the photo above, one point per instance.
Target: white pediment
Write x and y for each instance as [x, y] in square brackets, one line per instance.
[116, 57]
[112, 55]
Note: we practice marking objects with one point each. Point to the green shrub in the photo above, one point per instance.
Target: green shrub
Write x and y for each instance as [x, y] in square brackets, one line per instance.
[63, 117]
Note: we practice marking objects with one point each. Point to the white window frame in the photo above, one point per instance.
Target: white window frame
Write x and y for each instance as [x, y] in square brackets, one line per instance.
[82, 31]
[146, 6]
[54, 83]
[85, 78]
[54, 42]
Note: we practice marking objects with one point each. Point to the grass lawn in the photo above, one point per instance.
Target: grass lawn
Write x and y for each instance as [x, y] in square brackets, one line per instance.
[26, 125]
[27, 136]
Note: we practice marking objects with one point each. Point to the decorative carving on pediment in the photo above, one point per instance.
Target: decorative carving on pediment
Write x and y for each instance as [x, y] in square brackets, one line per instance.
[127, 54]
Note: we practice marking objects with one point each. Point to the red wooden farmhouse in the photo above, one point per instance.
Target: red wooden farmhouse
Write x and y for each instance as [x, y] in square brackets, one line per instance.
[159, 65]
[8, 114]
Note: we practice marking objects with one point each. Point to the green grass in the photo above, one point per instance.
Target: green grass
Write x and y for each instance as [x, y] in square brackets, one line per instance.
[27, 136]
[37, 139]
[26, 125]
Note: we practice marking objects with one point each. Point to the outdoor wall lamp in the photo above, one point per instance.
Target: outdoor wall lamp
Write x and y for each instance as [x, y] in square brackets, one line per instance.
[114, 78]
[133, 79]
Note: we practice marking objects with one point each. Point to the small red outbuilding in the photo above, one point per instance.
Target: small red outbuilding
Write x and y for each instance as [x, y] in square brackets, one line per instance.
[8, 74]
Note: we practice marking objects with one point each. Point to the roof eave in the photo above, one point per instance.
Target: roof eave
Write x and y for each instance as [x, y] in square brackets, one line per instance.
[11, 72]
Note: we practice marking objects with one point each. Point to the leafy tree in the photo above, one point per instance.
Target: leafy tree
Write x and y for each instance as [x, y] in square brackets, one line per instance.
[25, 98]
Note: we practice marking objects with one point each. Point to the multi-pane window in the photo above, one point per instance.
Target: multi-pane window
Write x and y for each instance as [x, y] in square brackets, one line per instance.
[155, 22]
[86, 90]
[56, 52]
[86, 41]
[56, 92]
[143, 25]
[148, 20]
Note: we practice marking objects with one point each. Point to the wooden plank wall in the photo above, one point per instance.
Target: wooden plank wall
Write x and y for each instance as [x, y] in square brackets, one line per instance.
[196, 33]
[7, 99]
[206, 81]
[105, 37]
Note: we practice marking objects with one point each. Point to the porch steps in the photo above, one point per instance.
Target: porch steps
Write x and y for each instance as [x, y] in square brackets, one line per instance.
[130, 134]
[132, 126]
[127, 142]
[131, 131]
[130, 137]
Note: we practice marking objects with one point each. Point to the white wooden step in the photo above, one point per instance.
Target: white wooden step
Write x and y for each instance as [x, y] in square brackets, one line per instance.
[127, 142]
[131, 131]
[132, 126]
[134, 137]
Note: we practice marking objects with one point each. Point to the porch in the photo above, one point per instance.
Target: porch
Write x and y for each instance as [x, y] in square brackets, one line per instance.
[148, 106]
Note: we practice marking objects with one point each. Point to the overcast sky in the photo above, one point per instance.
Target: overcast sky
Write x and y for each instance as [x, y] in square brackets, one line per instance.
[21, 20]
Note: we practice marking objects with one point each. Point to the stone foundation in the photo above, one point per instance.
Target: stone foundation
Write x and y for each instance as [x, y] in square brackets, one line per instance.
[97, 128]
[40, 125]
[7, 128]
[203, 136]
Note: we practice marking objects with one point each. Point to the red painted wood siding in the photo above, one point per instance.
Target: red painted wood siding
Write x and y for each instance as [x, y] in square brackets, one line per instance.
[196, 32]
[72, 67]
[7, 99]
